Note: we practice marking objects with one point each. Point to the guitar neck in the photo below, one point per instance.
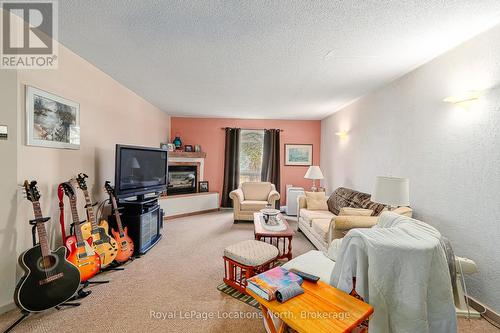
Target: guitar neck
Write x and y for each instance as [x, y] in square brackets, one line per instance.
[40, 228]
[117, 215]
[90, 209]
[76, 223]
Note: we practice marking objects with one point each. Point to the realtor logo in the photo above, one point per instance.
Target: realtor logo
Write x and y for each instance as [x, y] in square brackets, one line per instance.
[29, 31]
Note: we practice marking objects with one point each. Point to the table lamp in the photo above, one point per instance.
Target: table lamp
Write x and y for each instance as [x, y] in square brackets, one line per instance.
[314, 172]
[392, 191]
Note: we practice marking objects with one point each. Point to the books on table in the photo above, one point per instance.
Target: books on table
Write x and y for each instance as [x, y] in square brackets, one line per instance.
[266, 284]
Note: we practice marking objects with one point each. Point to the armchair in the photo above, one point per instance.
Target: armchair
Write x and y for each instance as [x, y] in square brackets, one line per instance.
[251, 197]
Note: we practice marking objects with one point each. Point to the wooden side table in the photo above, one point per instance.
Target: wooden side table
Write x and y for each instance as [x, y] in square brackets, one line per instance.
[281, 239]
[320, 309]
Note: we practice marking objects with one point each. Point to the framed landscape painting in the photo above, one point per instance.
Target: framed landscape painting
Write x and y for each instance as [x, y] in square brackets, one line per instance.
[298, 155]
[51, 121]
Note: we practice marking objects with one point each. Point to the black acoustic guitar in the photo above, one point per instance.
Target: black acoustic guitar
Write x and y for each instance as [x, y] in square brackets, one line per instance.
[49, 278]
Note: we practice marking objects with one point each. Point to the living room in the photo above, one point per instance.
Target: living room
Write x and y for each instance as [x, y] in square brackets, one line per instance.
[183, 166]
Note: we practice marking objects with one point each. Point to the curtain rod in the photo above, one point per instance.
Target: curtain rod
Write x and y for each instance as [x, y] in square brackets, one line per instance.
[253, 129]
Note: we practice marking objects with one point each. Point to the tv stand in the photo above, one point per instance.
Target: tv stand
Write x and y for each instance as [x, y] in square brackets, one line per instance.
[141, 198]
[144, 219]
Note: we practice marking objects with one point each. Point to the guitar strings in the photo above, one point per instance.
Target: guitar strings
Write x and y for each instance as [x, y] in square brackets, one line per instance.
[41, 229]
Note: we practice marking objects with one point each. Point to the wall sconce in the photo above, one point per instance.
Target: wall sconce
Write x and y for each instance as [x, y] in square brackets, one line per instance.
[466, 100]
[342, 135]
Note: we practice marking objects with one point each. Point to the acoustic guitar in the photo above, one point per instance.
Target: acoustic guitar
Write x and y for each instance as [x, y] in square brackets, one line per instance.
[102, 242]
[49, 278]
[125, 243]
[81, 253]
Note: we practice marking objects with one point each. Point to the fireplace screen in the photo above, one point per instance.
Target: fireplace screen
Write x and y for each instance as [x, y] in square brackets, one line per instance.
[181, 179]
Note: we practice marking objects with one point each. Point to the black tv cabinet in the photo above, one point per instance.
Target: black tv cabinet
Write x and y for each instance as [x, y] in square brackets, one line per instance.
[144, 219]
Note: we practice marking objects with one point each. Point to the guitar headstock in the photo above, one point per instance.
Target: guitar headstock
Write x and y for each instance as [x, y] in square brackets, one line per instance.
[109, 188]
[69, 190]
[31, 190]
[81, 181]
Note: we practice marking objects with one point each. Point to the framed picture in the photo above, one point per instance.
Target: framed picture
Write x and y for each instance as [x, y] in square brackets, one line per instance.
[188, 148]
[51, 121]
[203, 186]
[170, 147]
[298, 154]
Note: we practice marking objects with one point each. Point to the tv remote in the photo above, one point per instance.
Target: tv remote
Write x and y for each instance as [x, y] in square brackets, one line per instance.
[305, 276]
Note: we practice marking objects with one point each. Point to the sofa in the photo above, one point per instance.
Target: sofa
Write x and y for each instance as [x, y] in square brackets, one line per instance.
[321, 226]
[251, 197]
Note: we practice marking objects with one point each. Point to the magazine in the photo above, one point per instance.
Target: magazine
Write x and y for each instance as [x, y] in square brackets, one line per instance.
[266, 284]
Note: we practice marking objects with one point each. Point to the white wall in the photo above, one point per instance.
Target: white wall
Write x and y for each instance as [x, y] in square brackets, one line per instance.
[8, 193]
[451, 156]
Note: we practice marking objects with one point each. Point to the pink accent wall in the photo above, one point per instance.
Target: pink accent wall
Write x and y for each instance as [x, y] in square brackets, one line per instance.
[207, 132]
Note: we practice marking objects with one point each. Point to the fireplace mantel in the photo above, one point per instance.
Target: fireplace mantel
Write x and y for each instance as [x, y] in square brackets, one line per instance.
[183, 154]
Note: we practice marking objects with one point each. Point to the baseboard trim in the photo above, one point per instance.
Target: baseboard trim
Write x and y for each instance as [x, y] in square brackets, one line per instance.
[167, 218]
[488, 312]
[7, 307]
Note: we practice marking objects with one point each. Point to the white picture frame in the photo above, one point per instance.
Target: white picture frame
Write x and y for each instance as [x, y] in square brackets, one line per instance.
[298, 154]
[51, 121]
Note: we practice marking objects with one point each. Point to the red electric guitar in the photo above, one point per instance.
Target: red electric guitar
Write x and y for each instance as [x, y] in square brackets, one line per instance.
[125, 244]
[81, 253]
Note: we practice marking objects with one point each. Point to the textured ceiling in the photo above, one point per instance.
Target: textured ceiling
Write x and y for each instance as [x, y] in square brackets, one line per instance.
[264, 59]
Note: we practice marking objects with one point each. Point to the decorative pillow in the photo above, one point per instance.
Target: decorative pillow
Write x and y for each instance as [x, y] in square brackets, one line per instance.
[334, 249]
[316, 201]
[350, 211]
[406, 211]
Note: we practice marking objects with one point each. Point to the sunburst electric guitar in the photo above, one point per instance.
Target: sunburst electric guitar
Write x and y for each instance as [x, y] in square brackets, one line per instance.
[49, 278]
[103, 243]
[125, 243]
[81, 253]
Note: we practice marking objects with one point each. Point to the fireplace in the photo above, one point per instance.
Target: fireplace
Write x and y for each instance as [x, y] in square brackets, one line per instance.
[182, 179]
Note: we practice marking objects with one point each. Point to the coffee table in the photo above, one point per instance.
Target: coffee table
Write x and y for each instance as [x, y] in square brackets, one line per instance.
[281, 239]
[320, 309]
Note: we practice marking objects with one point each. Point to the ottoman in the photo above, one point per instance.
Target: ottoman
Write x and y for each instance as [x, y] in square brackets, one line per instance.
[246, 259]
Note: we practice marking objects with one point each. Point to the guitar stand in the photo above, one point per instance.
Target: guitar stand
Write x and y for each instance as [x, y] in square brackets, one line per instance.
[92, 205]
[112, 269]
[73, 304]
[25, 314]
[114, 266]
[82, 293]
[33, 227]
[87, 283]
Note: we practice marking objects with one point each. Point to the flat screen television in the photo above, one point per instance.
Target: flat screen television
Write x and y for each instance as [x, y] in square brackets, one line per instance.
[140, 170]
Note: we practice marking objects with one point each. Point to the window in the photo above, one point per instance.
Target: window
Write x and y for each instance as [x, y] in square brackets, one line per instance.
[251, 149]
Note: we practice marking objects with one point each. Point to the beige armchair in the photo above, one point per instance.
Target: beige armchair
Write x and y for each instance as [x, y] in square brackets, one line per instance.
[251, 197]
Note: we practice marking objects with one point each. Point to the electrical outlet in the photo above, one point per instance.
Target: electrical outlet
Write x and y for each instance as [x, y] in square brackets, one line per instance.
[4, 132]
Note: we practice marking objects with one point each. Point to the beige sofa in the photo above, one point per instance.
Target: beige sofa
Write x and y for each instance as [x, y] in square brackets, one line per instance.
[322, 226]
[251, 197]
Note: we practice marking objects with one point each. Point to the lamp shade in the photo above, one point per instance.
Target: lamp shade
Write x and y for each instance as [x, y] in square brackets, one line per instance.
[314, 172]
[392, 191]
[135, 163]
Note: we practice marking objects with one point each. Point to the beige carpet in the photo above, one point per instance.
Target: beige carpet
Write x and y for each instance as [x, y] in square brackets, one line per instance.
[177, 278]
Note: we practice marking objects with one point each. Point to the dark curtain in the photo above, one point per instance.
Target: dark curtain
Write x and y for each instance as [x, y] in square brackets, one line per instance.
[231, 165]
[271, 158]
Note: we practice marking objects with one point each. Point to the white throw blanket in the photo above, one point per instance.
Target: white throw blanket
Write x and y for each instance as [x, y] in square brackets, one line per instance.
[401, 270]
